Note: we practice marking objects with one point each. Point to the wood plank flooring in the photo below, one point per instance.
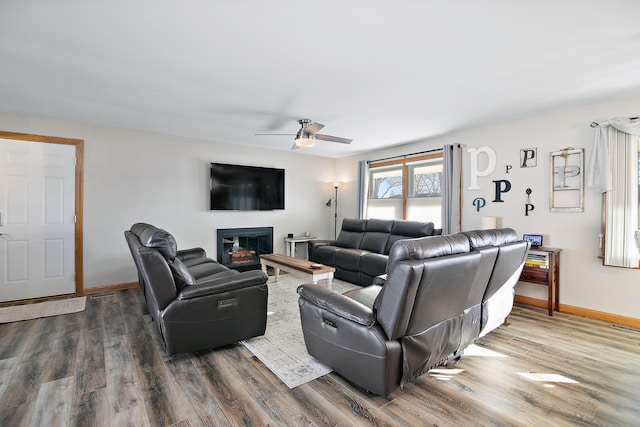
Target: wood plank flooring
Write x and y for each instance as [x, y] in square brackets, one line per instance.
[104, 367]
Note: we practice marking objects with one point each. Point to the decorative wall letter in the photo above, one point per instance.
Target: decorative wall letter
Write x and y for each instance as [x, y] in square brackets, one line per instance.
[528, 207]
[528, 157]
[473, 165]
[501, 189]
[479, 203]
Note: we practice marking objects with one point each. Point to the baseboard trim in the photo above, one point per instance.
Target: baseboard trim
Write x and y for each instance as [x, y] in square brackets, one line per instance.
[109, 288]
[593, 314]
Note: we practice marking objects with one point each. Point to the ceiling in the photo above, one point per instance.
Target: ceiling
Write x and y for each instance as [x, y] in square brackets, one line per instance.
[380, 73]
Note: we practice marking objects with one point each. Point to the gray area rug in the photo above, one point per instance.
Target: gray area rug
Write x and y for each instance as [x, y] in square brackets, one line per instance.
[282, 348]
[17, 313]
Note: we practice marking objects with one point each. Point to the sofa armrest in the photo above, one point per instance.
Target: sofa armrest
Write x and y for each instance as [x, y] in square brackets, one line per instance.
[321, 242]
[380, 280]
[193, 253]
[316, 243]
[337, 304]
[218, 285]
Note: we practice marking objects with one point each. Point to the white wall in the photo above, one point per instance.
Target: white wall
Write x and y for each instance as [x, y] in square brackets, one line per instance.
[143, 177]
[584, 281]
[134, 176]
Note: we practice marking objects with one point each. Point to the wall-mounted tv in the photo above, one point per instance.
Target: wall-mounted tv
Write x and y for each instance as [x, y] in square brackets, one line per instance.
[246, 188]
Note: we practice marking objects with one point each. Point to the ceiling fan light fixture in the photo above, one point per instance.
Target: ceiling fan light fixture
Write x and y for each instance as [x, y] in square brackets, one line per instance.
[305, 142]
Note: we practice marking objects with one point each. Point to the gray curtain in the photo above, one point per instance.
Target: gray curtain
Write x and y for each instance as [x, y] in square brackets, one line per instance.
[451, 183]
[363, 187]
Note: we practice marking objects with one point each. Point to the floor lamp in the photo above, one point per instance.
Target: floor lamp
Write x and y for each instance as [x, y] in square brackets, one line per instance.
[336, 185]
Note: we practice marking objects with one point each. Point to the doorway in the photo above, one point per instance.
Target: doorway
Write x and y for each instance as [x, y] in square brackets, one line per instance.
[40, 216]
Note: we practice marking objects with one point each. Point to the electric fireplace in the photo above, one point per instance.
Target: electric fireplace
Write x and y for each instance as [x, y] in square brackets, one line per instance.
[240, 248]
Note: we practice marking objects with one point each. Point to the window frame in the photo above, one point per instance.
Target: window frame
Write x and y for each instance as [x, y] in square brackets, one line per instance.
[405, 163]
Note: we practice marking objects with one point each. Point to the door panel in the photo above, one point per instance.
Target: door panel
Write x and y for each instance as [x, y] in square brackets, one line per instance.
[17, 255]
[37, 200]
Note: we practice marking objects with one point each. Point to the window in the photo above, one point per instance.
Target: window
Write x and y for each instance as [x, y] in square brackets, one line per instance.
[406, 189]
[386, 183]
[424, 179]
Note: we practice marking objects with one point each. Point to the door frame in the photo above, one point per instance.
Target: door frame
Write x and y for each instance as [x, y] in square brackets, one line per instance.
[79, 145]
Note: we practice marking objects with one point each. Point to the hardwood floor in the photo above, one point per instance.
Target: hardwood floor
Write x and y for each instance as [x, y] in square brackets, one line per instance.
[102, 367]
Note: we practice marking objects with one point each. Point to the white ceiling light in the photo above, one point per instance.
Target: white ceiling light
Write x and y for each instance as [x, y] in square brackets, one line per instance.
[305, 141]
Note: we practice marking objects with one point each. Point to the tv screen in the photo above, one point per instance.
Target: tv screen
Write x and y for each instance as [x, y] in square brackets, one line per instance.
[246, 188]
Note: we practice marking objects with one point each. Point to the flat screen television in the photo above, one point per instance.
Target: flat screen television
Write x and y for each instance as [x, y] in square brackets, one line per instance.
[246, 188]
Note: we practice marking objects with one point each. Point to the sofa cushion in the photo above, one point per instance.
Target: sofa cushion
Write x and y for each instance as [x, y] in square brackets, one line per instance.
[350, 276]
[374, 241]
[428, 247]
[349, 259]
[373, 264]
[482, 238]
[181, 274]
[325, 254]
[351, 234]
[365, 296]
[408, 230]
[376, 235]
[205, 269]
[157, 238]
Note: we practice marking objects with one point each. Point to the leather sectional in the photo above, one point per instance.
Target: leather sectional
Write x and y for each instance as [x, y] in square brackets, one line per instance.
[439, 294]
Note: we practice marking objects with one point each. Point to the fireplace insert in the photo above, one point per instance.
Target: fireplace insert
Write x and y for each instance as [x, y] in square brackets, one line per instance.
[240, 248]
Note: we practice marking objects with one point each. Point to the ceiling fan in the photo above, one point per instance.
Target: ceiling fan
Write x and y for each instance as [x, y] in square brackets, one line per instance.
[308, 134]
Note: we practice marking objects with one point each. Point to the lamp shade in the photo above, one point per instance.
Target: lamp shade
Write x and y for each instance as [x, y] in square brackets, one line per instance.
[488, 222]
[305, 142]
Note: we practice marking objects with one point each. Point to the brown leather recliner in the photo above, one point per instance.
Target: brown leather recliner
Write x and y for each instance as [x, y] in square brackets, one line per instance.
[428, 310]
[196, 302]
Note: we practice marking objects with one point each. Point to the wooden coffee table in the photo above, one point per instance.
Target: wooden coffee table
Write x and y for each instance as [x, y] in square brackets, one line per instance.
[297, 267]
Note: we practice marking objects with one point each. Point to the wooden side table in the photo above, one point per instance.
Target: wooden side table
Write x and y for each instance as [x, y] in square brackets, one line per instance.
[290, 244]
[548, 275]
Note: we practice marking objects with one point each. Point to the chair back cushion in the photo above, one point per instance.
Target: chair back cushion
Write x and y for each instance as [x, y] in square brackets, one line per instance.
[159, 279]
[420, 267]
[509, 260]
[157, 238]
[404, 229]
[181, 274]
[351, 233]
[376, 235]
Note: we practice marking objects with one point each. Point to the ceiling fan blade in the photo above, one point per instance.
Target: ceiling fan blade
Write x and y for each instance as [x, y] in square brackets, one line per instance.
[313, 128]
[271, 134]
[333, 138]
[294, 146]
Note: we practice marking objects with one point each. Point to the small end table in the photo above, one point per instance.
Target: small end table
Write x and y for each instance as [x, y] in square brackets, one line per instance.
[547, 276]
[290, 244]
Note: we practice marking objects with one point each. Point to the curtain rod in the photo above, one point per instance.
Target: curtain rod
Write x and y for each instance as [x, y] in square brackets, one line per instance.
[404, 156]
[596, 124]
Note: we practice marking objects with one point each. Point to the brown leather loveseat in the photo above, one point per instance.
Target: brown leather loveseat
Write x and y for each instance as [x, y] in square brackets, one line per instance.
[432, 304]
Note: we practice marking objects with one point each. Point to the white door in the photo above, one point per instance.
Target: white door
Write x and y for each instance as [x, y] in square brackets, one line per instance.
[37, 219]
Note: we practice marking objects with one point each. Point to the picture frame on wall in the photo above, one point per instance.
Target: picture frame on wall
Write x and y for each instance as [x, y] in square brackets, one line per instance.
[567, 180]
[528, 157]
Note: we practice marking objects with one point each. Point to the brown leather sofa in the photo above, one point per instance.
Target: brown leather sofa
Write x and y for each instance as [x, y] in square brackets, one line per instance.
[431, 305]
[196, 302]
[360, 252]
